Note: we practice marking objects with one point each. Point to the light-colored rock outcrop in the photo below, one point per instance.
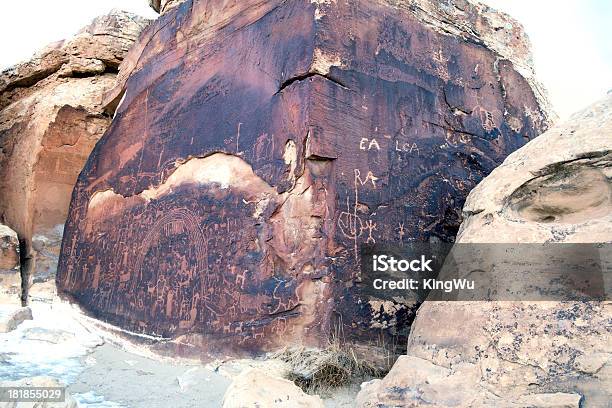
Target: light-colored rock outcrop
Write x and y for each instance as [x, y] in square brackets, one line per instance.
[254, 388]
[47, 382]
[417, 382]
[10, 279]
[51, 116]
[556, 189]
[97, 48]
[9, 249]
[10, 318]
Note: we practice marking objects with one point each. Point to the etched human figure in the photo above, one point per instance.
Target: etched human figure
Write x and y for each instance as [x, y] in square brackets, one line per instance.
[370, 226]
[401, 232]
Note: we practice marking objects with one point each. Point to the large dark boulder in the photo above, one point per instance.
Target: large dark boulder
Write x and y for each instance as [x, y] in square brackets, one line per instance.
[256, 147]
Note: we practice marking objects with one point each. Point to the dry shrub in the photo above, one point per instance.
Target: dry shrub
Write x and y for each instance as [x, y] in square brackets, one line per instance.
[319, 370]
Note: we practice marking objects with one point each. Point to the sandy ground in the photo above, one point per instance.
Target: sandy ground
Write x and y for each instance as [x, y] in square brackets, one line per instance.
[102, 371]
[139, 382]
[135, 381]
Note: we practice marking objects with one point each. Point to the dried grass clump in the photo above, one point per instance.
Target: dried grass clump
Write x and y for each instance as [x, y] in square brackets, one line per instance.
[319, 370]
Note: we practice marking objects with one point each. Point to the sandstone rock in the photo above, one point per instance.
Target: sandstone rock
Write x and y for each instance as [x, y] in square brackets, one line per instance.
[226, 205]
[48, 336]
[163, 6]
[51, 116]
[254, 388]
[47, 247]
[82, 66]
[554, 400]
[11, 318]
[426, 384]
[555, 189]
[68, 402]
[9, 249]
[105, 41]
[478, 23]
[417, 382]
[10, 279]
[107, 38]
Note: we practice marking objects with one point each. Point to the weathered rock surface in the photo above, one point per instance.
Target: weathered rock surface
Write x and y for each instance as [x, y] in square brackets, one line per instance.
[163, 6]
[97, 48]
[10, 318]
[254, 388]
[10, 279]
[417, 382]
[557, 188]
[51, 116]
[9, 249]
[257, 145]
[48, 382]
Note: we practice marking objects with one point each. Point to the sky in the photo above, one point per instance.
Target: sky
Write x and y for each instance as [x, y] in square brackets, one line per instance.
[571, 39]
[28, 25]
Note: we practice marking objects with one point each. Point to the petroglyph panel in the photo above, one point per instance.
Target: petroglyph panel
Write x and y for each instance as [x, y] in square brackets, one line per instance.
[341, 130]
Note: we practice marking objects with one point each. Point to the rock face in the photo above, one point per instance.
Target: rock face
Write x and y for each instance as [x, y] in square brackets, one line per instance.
[9, 249]
[557, 188]
[255, 388]
[51, 116]
[256, 147]
[10, 279]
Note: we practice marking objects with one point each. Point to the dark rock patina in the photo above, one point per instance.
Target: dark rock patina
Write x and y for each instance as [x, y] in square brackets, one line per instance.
[258, 145]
